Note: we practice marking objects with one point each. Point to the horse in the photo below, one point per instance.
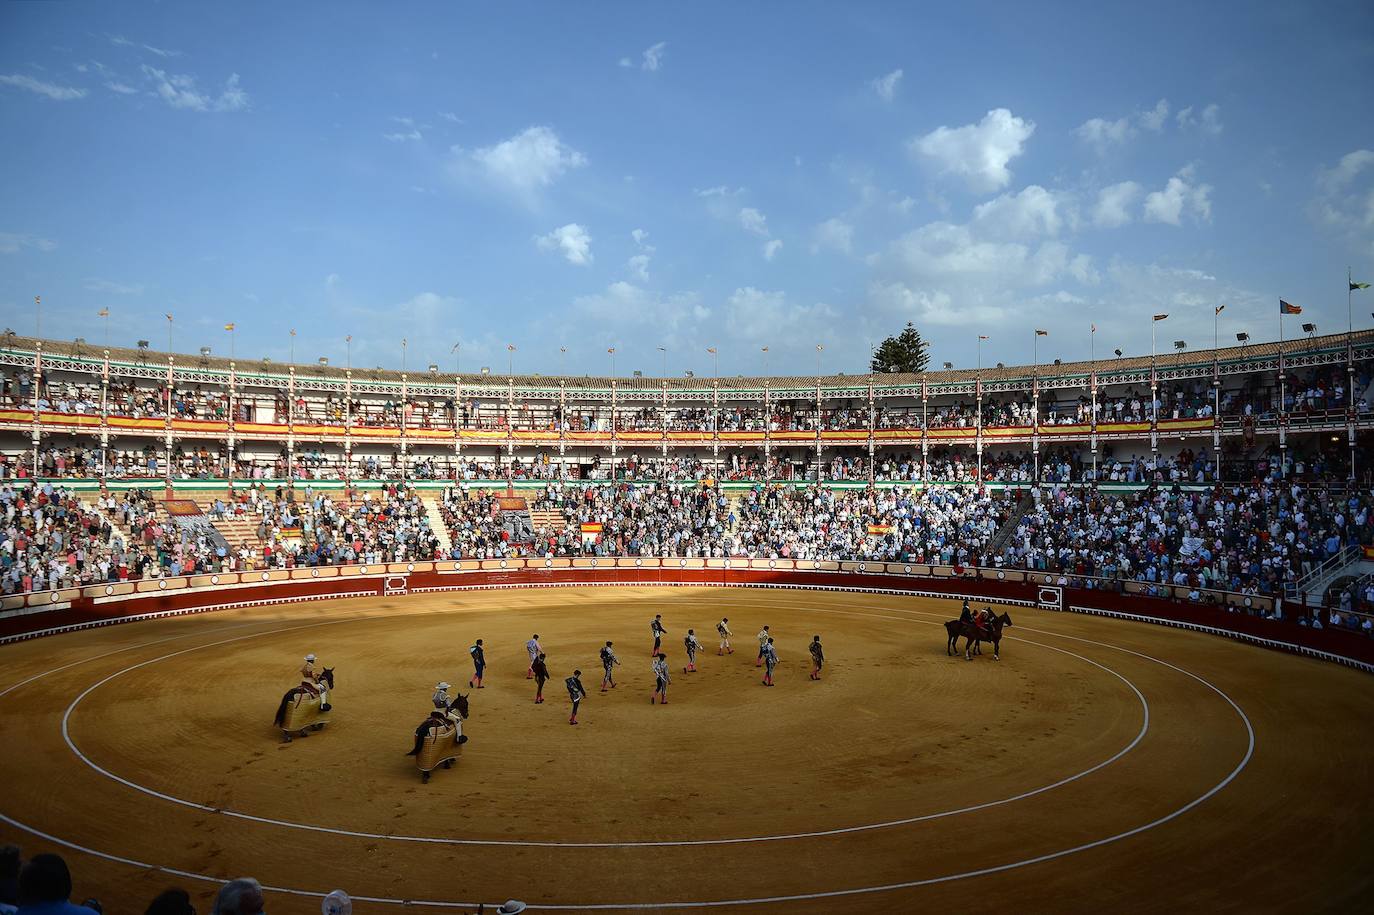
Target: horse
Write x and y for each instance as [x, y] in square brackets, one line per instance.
[439, 736]
[301, 711]
[993, 634]
[955, 628]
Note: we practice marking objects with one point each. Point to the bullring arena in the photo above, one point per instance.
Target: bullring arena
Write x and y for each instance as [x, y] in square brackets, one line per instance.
[1103, 761]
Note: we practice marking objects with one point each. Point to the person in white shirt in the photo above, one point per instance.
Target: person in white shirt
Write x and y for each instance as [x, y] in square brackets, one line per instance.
[661, 679]
[764, 638]
[534, 649]
[693, 646]
[723, 629]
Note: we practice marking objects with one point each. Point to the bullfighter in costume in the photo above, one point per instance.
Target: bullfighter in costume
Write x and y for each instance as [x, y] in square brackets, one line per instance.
[693, 646]
[608, 661]
[576, 692]
[661, 679]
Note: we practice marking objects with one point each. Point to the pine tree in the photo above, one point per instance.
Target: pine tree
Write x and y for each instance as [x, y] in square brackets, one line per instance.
[906, 352]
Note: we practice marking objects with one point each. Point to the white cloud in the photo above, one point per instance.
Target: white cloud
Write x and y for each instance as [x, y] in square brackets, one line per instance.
[771, 248]
[12, 242]
[572, 240]
[332, 281]
[754, 221]
[39, 87]
[626, 62]
[451, 117]
[1032, 212]
[944, 250]
[1114, 204]
[1344, 172]
[1209, 121]
[1181, 196]
[115, 288]
[160, 52]
[653, 57]
[411, 135]
[526, 163]
[1103, 133]
[755, 316]
[637, 313]
[1154, 118]
[719, 190]
[180, 91]
[121, 88]
[978, 153]
[638, 265]
[834, 233]
[886, 86]
[1345, 198]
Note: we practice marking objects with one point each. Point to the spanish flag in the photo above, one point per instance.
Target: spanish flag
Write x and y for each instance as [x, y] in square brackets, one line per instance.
[1288, 308]
[879, 528]
[591, 528]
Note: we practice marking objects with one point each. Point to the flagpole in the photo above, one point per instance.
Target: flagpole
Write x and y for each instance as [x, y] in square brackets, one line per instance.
[1283, 443]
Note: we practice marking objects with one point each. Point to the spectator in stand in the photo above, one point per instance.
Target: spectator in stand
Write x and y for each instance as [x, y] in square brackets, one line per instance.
[171, 902]
[45, 888]
[239, 897]
[9, 877]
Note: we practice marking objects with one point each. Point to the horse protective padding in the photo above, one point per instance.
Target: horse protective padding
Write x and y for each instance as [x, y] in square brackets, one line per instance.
[438, 747]
[303, 713]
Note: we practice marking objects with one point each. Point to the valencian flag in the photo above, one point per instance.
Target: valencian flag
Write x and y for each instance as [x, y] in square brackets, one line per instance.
[1160, 317]
[1288, 308]
[1042, 333]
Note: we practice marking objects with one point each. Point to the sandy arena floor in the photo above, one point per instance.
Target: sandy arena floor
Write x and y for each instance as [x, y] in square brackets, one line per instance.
[1099, 764]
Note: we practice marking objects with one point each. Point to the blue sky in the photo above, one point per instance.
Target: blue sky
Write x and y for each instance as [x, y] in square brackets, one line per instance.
[641, 175]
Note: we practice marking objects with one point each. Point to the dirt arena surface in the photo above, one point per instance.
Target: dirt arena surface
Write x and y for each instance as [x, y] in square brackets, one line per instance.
[1099, 764]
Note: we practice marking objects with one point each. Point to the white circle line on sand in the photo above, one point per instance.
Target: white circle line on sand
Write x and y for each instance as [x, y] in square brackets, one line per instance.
[854, 891]
[535, 843]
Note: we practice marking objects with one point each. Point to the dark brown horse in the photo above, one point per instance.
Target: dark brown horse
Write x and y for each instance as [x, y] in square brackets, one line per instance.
[974, 635]
[439, 719]
[295, 693]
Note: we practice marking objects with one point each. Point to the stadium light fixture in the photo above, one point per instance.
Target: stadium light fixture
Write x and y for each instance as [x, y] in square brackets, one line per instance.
[205, 350]
[1118, 353]
[1001, 365]
[1309, 328]
[324, 361]
[143, 344]
[690, 374]
[1180, 344]
[486, 370]
[433, 369]
[1242, 337]
[949, 365]
[1058, 362]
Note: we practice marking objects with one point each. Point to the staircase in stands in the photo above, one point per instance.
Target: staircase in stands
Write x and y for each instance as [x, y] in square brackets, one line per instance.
[436, 523]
